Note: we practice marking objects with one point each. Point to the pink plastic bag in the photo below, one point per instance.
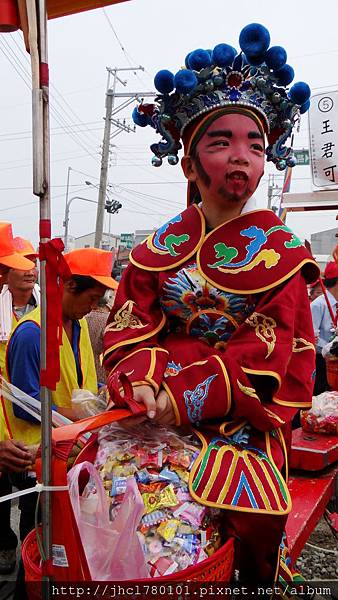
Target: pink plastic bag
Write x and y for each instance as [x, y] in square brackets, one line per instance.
[113, 550]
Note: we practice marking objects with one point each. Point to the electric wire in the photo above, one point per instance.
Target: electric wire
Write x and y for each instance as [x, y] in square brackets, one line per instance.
[20, 69]
[53, 87]
[128, 57]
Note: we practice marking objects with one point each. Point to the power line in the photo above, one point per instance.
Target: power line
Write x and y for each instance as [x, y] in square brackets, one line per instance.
[53, 87]
[128, 57]
[20, 69]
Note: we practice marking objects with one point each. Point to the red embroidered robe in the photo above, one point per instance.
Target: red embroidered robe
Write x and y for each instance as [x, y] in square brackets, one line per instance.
[222, 322]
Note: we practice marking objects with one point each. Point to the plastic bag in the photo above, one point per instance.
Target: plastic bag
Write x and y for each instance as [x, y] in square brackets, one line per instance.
[323, 416]
[108, 546]
[86, 404]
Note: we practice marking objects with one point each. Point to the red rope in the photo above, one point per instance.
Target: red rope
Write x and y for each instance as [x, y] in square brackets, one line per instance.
[56, 271]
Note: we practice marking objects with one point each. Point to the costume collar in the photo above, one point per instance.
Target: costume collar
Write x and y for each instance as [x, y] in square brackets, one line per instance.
[173, 243]
[238, 256]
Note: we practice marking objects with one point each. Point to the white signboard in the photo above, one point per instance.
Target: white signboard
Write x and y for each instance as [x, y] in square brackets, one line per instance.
[323, 129]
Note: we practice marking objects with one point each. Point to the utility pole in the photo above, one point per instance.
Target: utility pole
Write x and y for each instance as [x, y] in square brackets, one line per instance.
[104, 171]
[110, 101]
[273, 191]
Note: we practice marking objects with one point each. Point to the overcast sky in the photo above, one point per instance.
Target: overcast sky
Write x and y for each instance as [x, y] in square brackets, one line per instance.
[155, 34]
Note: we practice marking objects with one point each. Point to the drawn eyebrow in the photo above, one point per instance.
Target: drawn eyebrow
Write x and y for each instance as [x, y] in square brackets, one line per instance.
[220, 133]
[227, 133]
[255, 135]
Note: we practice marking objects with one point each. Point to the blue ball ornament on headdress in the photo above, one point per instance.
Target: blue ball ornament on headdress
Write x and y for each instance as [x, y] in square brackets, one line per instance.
[300, 93]
[255, 61]
[139, 118]
[223, 55]
[254, 39]
[164, 81]
[199, 59]
[185, 81]
[305, 107]
[186, 61]
[275, 57]
[285, 75]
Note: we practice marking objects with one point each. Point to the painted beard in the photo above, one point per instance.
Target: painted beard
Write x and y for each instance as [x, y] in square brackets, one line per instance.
[235, 196]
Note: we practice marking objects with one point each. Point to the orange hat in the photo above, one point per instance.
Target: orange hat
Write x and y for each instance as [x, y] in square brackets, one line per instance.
[9, 257]
[331, 270]
[24, 247]
[92, 262]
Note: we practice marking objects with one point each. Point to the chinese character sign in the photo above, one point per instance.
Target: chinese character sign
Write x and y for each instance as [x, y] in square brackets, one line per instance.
[323, 131]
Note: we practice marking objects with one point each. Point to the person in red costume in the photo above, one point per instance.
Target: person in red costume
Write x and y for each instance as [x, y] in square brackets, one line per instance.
[211, 322]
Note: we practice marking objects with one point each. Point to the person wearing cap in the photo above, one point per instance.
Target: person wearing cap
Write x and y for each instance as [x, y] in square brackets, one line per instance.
[19, 295]
[90, 270]
[324, 310]
[211, 320]
[315, 290]
[14, 455]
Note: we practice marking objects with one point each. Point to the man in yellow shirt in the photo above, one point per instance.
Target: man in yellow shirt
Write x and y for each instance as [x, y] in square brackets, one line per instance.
[12, 262]
[90, 270]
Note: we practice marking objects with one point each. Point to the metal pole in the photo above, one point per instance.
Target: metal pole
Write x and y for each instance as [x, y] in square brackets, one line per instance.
[66, 219]
[110, 99]
[65, 224]
[270, 190]
[45, 216]
[104, 168]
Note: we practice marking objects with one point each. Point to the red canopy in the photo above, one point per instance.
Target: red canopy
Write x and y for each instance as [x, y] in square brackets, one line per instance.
[13, 13]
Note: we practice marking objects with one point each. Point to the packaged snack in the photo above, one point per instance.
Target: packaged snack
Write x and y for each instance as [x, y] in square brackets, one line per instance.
[175, 531]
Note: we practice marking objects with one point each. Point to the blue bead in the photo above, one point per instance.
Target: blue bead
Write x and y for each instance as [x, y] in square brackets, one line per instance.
[275, 57]
[300, 93]
[164, 81]
[139, 118]
[172, 159]
[199, 59]
[285, 75]
[291, 161]
[281, 164]
[156, 161]
[223, 55]
[185, 81]
[254, 39]
[305, 107]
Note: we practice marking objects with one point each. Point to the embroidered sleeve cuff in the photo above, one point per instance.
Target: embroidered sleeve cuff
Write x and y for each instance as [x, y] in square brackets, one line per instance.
[200, 391]
[145, 366]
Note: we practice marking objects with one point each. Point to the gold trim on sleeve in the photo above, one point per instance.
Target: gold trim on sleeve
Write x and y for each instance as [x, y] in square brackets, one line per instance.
[292, 404]
[264, 329]
[227, 383]
[124, 319]
[267, 373]
[300, 344]
[248, 391]
[173, 401]
[137, 339]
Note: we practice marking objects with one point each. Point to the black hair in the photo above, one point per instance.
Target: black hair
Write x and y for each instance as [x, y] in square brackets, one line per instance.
[84, 282]
[330, 283]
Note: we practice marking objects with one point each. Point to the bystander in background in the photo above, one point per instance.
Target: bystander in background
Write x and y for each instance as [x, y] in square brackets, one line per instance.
[324, 317]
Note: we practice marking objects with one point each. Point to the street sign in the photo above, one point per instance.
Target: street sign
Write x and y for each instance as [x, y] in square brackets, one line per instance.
[302, 156]
[127, 240]
[323, 126]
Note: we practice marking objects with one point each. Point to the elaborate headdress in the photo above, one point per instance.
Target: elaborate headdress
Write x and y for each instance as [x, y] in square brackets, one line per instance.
[256, 78]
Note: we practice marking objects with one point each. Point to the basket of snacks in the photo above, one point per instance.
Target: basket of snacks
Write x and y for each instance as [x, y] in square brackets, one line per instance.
[128, 514]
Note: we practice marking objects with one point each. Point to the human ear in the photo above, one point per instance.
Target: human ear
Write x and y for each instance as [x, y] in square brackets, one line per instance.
[188, 168]
[70, 286]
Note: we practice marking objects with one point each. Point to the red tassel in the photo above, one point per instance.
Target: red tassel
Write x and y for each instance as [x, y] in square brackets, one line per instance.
[9, 16]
